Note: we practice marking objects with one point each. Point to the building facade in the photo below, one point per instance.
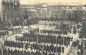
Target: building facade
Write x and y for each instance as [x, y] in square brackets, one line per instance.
[11, 10]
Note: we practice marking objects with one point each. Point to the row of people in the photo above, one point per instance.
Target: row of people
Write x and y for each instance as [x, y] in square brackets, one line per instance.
[50, 48]
[39, 34]
[46, 39]
[31, 39]
[13, 44]
[16, 52]
[36, 46]
[53, 31]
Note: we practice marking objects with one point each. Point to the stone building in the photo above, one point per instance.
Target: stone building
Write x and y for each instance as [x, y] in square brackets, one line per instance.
[11, 10]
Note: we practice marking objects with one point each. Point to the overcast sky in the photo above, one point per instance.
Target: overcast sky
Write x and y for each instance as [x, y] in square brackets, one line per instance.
[51, 1]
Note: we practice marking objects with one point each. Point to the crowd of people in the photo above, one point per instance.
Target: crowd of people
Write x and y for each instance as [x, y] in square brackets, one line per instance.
[61, 40]
[50, 50]
[35, 46]
[47, 44]
[11, 52]
[13, 44]
[54, 32]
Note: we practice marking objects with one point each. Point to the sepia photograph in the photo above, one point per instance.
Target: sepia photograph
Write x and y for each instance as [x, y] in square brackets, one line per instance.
[42, 27]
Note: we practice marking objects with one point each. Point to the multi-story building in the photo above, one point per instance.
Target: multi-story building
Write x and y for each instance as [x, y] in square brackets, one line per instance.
[11, 10]
[29, 11]
[41, 10]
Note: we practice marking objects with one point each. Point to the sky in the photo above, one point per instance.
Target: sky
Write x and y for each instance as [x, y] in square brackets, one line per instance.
[51, 2]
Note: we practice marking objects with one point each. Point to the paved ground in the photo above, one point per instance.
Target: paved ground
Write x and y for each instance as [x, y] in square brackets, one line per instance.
[84, 51]
[72, 51]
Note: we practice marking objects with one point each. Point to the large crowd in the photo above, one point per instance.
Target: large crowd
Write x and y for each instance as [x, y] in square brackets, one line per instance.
[40, 44]
[54, 32]
[61, 40]
[10, 52]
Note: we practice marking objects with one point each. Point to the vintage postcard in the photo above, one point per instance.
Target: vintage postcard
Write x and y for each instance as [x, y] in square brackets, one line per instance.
[42, 27]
